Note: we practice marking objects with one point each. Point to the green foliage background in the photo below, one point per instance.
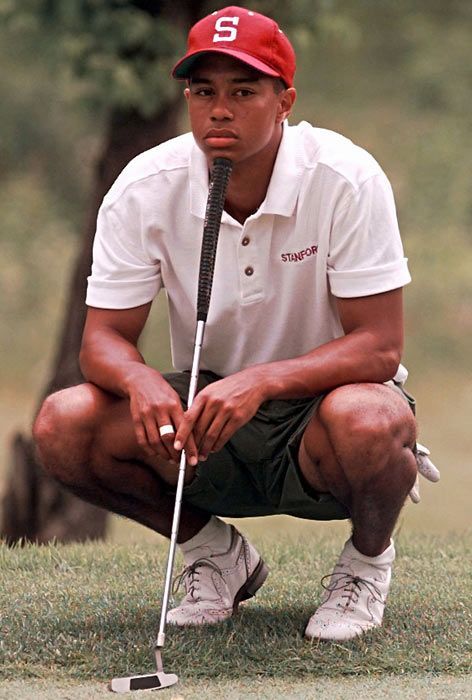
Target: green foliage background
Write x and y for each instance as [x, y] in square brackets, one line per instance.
[396, 78]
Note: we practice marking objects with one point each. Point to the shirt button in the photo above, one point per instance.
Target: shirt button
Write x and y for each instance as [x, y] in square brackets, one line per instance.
[245, 241]
[249, 271]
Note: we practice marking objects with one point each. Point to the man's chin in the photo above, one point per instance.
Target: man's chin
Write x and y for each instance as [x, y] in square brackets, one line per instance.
[226, 151]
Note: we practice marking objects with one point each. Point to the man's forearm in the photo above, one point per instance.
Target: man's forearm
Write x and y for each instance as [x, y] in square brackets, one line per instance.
[356, 357]
[370, 351]
[110, 361]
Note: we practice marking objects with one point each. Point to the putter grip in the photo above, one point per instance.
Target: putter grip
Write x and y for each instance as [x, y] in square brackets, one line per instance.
[214, 209]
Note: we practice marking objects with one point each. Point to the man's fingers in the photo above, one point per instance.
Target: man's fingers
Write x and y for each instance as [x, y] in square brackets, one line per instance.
[191, 451]
[155, 435]
[184, 438]
[216, 435]
[156, 445]
[221, 430]
[168, 431]
[166, 436]
[152, 433]
[214, 425]
[226, 433]
[186, 426]
[141, 437]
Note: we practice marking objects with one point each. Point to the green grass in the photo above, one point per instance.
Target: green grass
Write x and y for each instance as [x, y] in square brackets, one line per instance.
[427, 687]
[90, 612]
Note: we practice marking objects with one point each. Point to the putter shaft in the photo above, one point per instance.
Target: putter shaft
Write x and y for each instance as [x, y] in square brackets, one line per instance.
[178, 496]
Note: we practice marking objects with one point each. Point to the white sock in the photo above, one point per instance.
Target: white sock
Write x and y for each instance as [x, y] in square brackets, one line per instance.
[213, 538]
[386, 558]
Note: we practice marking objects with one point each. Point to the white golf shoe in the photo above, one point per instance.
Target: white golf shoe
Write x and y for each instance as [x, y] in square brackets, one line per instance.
[216, 584]
[355, 597]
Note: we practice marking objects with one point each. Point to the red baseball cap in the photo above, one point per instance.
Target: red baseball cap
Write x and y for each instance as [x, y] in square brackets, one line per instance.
[248, 36]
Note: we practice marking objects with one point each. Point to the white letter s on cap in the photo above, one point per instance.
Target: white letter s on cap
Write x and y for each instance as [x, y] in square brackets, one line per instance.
[230, 33]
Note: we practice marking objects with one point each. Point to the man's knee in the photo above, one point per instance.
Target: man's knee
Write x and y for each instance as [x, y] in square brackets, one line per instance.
[360, 440]
[63, 430]
[367, 419]
[371, 431]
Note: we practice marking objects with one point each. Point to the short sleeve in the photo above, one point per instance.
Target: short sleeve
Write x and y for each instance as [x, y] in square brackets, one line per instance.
[123, 273]
[366, 253]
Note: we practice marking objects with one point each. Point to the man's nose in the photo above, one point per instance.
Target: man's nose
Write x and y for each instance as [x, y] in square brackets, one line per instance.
[221, 109]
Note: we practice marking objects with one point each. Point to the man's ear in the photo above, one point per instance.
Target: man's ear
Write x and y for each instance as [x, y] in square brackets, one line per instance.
[286, 102]
[187, 93]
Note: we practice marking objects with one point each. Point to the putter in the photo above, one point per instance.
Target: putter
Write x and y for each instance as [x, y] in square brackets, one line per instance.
[214, 209]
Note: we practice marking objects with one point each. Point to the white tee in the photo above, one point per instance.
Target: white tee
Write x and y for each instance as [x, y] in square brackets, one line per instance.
[327, 228]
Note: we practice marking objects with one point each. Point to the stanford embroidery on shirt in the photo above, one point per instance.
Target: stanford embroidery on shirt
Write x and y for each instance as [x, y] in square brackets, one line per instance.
[300, 255]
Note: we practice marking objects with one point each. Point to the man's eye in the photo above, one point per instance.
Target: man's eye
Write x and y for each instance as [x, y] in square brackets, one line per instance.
[244, 92]
[203, 92]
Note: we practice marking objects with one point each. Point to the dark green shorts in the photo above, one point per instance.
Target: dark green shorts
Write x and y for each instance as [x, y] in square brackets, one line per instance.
[257, 472]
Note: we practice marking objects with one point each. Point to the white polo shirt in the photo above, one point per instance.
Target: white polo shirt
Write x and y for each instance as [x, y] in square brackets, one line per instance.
[327, 228]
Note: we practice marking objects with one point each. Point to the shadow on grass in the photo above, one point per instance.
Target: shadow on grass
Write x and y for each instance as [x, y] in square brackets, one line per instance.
[268, 642]
[262, 641]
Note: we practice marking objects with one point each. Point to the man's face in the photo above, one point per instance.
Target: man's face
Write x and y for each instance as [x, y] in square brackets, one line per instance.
[234, 111]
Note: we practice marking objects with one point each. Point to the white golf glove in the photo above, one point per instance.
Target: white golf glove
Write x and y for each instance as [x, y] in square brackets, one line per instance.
[426, 468]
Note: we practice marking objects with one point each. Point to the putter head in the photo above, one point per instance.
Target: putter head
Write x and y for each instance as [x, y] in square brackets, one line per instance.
[151, 681]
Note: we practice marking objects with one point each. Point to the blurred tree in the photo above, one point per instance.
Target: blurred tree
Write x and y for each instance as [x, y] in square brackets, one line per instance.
[119, 54]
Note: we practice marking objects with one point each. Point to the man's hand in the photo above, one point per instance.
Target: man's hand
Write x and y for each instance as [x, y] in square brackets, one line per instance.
[110, 358]
[218, 411]
[154, 404]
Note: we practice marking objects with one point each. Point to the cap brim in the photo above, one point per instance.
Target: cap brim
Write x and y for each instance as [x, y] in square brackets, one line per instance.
[183, 68]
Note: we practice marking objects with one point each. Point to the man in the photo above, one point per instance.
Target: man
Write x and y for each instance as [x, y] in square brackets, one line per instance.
[297, 412]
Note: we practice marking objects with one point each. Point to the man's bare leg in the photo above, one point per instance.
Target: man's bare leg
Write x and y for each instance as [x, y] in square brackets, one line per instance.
[85, 439]
[358, 447]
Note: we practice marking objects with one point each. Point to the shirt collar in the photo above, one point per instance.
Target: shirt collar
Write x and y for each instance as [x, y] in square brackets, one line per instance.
[284, 185]
[198, 177]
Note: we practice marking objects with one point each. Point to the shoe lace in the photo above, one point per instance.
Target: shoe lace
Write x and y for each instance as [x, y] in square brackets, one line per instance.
[351, 587]
[189, 576]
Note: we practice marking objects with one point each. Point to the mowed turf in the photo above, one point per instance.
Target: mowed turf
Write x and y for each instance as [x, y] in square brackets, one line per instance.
[90, 612]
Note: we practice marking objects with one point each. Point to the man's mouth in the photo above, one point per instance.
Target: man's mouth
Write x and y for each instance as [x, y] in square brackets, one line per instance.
[220, 137]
